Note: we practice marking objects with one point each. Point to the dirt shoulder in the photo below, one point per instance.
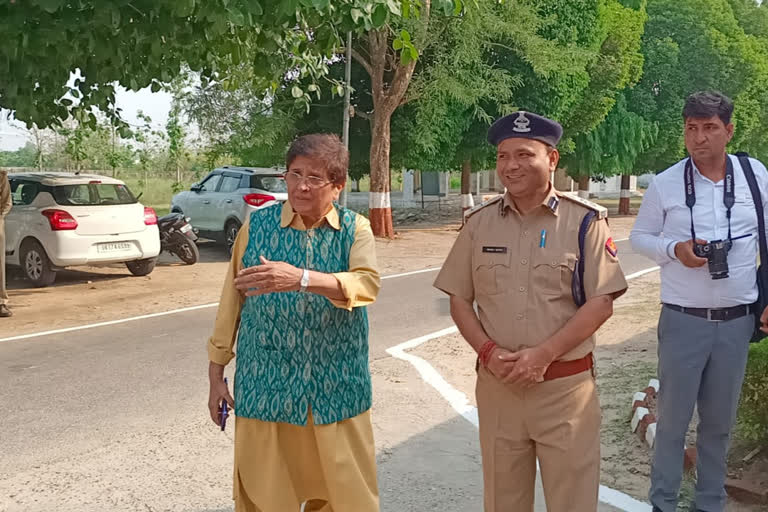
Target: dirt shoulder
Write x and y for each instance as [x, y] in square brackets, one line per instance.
[85, 295]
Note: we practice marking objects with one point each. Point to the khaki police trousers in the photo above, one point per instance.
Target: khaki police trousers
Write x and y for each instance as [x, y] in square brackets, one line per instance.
[3, 291]
[556, 422]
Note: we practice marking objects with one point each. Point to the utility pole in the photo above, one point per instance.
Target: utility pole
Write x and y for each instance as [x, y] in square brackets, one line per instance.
[345, 129]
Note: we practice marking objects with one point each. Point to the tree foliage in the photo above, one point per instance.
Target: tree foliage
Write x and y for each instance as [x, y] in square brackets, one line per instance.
[145, 43]
[25, 156]
[692, 45]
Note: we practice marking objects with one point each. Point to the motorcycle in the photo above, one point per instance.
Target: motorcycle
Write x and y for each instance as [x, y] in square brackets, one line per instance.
[178, 237]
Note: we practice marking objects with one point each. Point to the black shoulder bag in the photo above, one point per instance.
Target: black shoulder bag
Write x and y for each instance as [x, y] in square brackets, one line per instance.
[762, 269]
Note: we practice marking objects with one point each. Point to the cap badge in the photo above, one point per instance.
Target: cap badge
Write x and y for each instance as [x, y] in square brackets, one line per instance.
[522, 124]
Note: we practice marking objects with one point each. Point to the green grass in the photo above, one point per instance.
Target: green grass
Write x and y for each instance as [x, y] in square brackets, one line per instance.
[155, 193]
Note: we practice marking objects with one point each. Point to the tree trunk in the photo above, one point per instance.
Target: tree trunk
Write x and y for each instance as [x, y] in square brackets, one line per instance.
[114, 146]
[467, 201]
[624, 195]
[388, 92]
[584, 187]
[39, 145]
[380, 208]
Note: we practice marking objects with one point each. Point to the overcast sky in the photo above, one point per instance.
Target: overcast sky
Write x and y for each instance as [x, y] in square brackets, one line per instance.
[156, 105]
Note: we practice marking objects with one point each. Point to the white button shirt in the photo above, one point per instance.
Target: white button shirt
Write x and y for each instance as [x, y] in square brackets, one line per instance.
[664, 219]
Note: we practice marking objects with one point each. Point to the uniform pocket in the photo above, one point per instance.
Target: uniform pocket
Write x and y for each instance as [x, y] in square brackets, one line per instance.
[552, 271]
[487, 268]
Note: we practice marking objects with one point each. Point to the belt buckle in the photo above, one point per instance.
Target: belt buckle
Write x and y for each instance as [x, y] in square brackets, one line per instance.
[709, 316]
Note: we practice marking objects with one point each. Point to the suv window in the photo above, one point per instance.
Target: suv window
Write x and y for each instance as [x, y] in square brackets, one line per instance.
[24, 192]
[229, 184]
[93, 194]
[274, 183]
[211, 183]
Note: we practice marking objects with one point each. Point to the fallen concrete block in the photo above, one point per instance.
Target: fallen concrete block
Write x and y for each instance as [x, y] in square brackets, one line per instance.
[648, 419]
[640, 413]
[650, 435]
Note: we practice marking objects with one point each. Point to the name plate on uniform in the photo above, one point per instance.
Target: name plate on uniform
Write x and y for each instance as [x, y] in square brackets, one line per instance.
[495, 250]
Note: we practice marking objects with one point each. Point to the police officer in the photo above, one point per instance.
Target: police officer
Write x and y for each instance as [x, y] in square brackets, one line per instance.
[5, 207]
[516, 258]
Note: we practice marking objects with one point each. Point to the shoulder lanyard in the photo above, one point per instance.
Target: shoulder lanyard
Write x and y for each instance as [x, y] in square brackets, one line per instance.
[729, 196]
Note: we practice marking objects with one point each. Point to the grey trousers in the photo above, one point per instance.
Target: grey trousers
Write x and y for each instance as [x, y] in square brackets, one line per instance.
[701, 363]
[3, 291]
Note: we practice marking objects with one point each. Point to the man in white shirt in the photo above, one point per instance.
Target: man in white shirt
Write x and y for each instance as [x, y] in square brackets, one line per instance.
[707, 318]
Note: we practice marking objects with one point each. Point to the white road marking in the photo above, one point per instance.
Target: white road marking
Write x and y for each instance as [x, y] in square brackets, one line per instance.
[393, 276]
[105, 324]
[156, 315]
[461, 404]
[641, 273]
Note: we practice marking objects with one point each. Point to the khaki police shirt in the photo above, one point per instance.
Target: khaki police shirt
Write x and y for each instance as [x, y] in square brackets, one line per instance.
[6, 200]
[523, 291]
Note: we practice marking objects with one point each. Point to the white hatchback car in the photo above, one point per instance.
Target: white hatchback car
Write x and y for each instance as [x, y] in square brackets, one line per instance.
[62, 219]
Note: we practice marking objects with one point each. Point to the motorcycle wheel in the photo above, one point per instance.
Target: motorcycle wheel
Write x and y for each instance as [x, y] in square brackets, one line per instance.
[186, 250]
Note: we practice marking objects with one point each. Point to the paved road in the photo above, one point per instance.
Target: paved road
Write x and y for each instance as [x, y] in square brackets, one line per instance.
[111, 412]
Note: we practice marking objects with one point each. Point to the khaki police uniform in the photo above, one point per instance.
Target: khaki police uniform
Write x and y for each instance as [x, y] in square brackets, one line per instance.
[5, 207]
[523, 296]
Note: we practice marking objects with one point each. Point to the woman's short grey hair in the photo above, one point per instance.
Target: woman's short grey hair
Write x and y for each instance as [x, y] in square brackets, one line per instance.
[704, 104]
[325, 147]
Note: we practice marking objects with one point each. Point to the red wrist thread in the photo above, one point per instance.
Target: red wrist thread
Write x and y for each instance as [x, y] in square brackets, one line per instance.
[485, 352]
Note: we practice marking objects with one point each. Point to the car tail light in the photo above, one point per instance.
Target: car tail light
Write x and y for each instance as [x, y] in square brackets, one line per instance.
[60, 220]
[258, 199]
[150, 217]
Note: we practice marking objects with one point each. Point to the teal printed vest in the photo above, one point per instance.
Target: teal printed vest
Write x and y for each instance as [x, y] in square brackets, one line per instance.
[297, 350]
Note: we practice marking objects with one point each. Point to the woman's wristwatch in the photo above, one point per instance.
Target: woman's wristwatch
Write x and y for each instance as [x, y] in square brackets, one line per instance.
[304, 281]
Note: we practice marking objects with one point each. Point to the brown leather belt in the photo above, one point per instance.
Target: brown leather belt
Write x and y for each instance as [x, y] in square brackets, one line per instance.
[560, 369]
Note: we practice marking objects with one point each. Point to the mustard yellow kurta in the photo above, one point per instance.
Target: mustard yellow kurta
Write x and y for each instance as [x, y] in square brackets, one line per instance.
[279, 466]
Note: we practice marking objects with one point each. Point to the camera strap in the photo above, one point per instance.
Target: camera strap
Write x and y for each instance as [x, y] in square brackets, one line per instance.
[729, 195]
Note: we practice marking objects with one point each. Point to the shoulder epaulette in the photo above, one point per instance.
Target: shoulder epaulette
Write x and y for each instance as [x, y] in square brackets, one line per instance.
[482, 205]
[602, 212]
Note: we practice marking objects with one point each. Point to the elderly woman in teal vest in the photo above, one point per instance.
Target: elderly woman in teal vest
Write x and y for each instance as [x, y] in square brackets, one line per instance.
[294, 302]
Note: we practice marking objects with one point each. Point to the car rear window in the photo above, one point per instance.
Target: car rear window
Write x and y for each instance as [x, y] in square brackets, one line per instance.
[93, 194]
[274, 183]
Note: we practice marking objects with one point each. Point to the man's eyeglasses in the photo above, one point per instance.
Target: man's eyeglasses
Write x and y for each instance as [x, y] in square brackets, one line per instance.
[294, 178]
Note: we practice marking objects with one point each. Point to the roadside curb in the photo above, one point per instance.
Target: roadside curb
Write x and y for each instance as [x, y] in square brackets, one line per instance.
[643, 422]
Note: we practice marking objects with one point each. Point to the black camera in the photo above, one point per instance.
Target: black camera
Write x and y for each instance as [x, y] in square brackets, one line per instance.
[716, 253]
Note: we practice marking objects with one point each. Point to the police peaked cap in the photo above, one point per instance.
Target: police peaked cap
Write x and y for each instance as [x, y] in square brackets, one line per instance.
[525, 125]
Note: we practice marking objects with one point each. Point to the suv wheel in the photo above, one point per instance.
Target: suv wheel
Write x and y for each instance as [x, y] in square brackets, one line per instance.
[230, 234]
[141, 267]
[37, 267]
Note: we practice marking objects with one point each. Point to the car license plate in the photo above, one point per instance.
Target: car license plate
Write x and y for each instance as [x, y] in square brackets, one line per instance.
[186, 228]
[114, 247]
